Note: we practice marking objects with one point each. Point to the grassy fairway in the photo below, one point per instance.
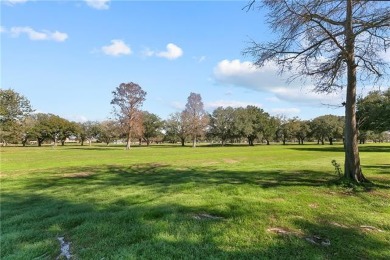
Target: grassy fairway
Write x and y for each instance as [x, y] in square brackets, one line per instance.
[167, 202]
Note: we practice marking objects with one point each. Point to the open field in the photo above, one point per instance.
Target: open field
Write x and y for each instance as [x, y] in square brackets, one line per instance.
[167, 202]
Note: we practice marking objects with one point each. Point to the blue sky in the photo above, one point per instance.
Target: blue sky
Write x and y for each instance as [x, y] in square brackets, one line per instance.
[67, 57]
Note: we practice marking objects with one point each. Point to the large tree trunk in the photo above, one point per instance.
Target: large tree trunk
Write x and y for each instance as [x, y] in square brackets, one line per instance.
[194, 142]
[182, 141]
[128, 143]
[352, 169]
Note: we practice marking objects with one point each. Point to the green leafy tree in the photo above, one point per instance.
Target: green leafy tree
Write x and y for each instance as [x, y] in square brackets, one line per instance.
[222, 124]
[285, 130]
[299, 129]
[152, 126]
[270, 128]
[87, 131]
[108, 131]
[333, 42]
[66, 130]
[176, 127]
[47, 127]
[250, 122]
[14, 108]
[327, 127]
[373, 111]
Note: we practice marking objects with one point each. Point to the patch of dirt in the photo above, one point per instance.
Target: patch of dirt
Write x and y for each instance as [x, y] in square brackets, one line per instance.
[209, 163]
[205, 216]
[284, 231]
[77, 174]
[338, 225]
[370, 228]
[314, 239]
[230, 161]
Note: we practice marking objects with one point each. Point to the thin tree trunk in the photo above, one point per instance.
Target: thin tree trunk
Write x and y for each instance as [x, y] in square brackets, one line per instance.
[194, 142]
[352, 169]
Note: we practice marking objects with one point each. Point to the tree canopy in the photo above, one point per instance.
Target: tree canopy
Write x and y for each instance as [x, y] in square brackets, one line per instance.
[128, 99]
[373, 111]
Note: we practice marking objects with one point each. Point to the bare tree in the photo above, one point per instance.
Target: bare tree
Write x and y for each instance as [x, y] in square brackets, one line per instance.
[128, 97]
[334, 43]
[195, 116]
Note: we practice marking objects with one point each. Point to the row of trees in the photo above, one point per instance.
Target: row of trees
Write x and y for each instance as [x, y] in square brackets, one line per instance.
[223, 125]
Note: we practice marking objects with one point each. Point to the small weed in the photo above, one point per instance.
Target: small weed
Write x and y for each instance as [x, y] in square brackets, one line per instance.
[337, 168]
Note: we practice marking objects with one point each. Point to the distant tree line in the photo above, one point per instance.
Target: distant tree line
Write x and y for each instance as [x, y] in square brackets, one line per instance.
[224, 125]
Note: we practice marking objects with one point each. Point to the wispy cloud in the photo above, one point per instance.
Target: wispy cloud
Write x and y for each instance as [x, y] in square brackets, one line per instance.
[199, 59]
[37, 35]
[98, 4]
[14, 2]
[117, 48]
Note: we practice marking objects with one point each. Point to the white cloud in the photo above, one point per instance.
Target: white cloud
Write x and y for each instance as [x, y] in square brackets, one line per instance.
[173, 52]
[266, 79]
[117, 48]
[59, 36]
[2, 29]
[38, 36]
[305, 96]
[245, 74]
[229, 103]
[98, 4]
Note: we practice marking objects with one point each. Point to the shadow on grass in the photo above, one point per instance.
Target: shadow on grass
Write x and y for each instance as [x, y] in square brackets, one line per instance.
[338, 148]
[380, 168]
[164, 176]
[126, 229]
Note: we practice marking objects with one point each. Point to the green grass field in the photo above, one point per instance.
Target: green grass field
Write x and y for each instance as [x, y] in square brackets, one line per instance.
[167, 202]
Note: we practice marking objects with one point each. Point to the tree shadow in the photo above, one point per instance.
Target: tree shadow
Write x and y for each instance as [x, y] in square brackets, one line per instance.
[380, 168]
[165, 177]
[338, 148]
[129, 229]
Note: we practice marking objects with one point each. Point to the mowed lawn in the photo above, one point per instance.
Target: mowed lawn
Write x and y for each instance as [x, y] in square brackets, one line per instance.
[170, 202]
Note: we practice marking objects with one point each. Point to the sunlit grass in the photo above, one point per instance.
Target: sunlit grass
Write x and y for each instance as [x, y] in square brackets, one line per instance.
[209, 202]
